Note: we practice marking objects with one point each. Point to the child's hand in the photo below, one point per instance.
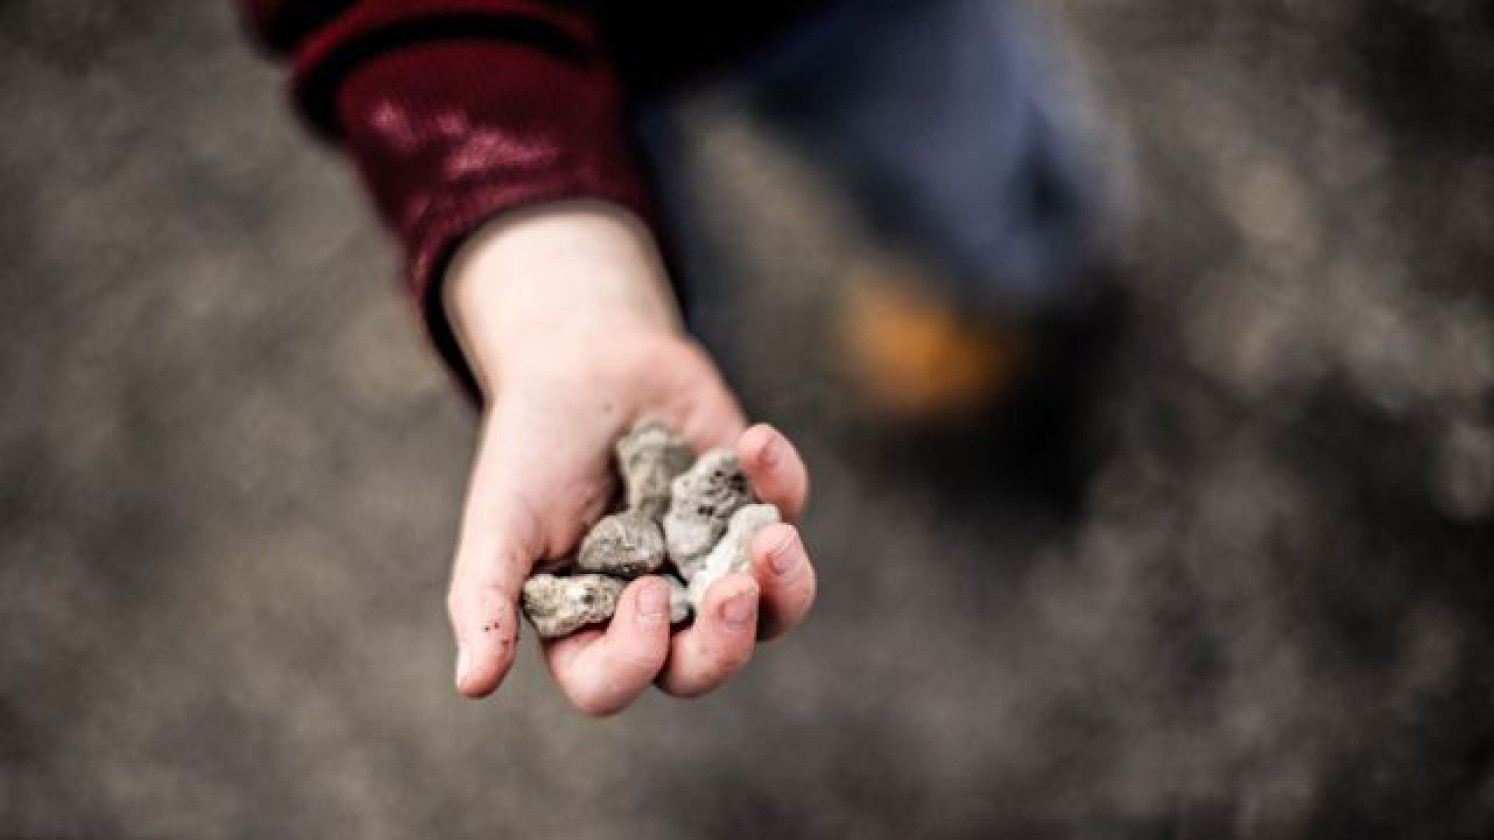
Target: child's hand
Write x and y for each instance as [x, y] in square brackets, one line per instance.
[567, 321]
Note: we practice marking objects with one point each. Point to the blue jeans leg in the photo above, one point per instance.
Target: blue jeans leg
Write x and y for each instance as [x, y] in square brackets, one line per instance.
[944, 118]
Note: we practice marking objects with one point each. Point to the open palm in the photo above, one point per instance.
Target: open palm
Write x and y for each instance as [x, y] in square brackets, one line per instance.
[542, 476]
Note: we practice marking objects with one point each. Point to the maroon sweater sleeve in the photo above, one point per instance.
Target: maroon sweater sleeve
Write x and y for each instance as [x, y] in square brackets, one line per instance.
[455, 110]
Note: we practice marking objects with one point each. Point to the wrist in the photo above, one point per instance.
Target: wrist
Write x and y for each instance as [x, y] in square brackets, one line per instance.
[571, 276]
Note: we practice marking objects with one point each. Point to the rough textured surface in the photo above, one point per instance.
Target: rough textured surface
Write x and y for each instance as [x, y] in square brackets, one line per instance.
[624, 545]
[730, 553]
[231, 475]
[703, 499]
[649, 457]
[559, 606]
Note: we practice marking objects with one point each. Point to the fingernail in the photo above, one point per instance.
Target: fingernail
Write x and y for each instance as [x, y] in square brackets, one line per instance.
[740, 609]
[653, 603]
[772, 453]
[463, 666]
[785, 556]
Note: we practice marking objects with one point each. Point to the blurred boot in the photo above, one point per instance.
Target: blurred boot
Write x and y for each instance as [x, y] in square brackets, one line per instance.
[914, 358]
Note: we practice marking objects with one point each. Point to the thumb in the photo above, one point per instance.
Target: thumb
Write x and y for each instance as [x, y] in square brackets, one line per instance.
[483, 607]
[504, 532]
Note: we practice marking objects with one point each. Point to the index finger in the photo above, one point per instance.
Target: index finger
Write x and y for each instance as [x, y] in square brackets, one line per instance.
[774, 468]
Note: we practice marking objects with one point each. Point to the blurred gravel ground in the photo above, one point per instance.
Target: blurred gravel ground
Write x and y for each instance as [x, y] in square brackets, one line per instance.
[1258, 603]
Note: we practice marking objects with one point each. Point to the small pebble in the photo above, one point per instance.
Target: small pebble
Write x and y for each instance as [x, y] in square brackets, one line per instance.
[679, 601]
[730, 554]
[625, 545]
[703, 499]
[559, 606]
[649, 457]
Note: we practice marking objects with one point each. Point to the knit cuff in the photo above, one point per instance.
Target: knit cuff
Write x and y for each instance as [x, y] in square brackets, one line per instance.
[449, 134]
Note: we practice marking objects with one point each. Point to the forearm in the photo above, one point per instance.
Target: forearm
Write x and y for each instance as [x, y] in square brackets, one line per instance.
[457, 112]
[558, 278]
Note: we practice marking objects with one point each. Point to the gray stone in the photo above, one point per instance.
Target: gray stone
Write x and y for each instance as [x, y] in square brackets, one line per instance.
[730, 554]
[559, 606]
[650, 457]
[625, 545]
[703, 499]
[679, 600]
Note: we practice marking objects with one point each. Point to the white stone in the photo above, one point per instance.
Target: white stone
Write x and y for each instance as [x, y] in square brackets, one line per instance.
[703, 499]
[730, 553]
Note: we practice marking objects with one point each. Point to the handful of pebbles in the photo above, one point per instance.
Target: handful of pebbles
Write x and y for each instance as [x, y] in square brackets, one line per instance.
[689, 519]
